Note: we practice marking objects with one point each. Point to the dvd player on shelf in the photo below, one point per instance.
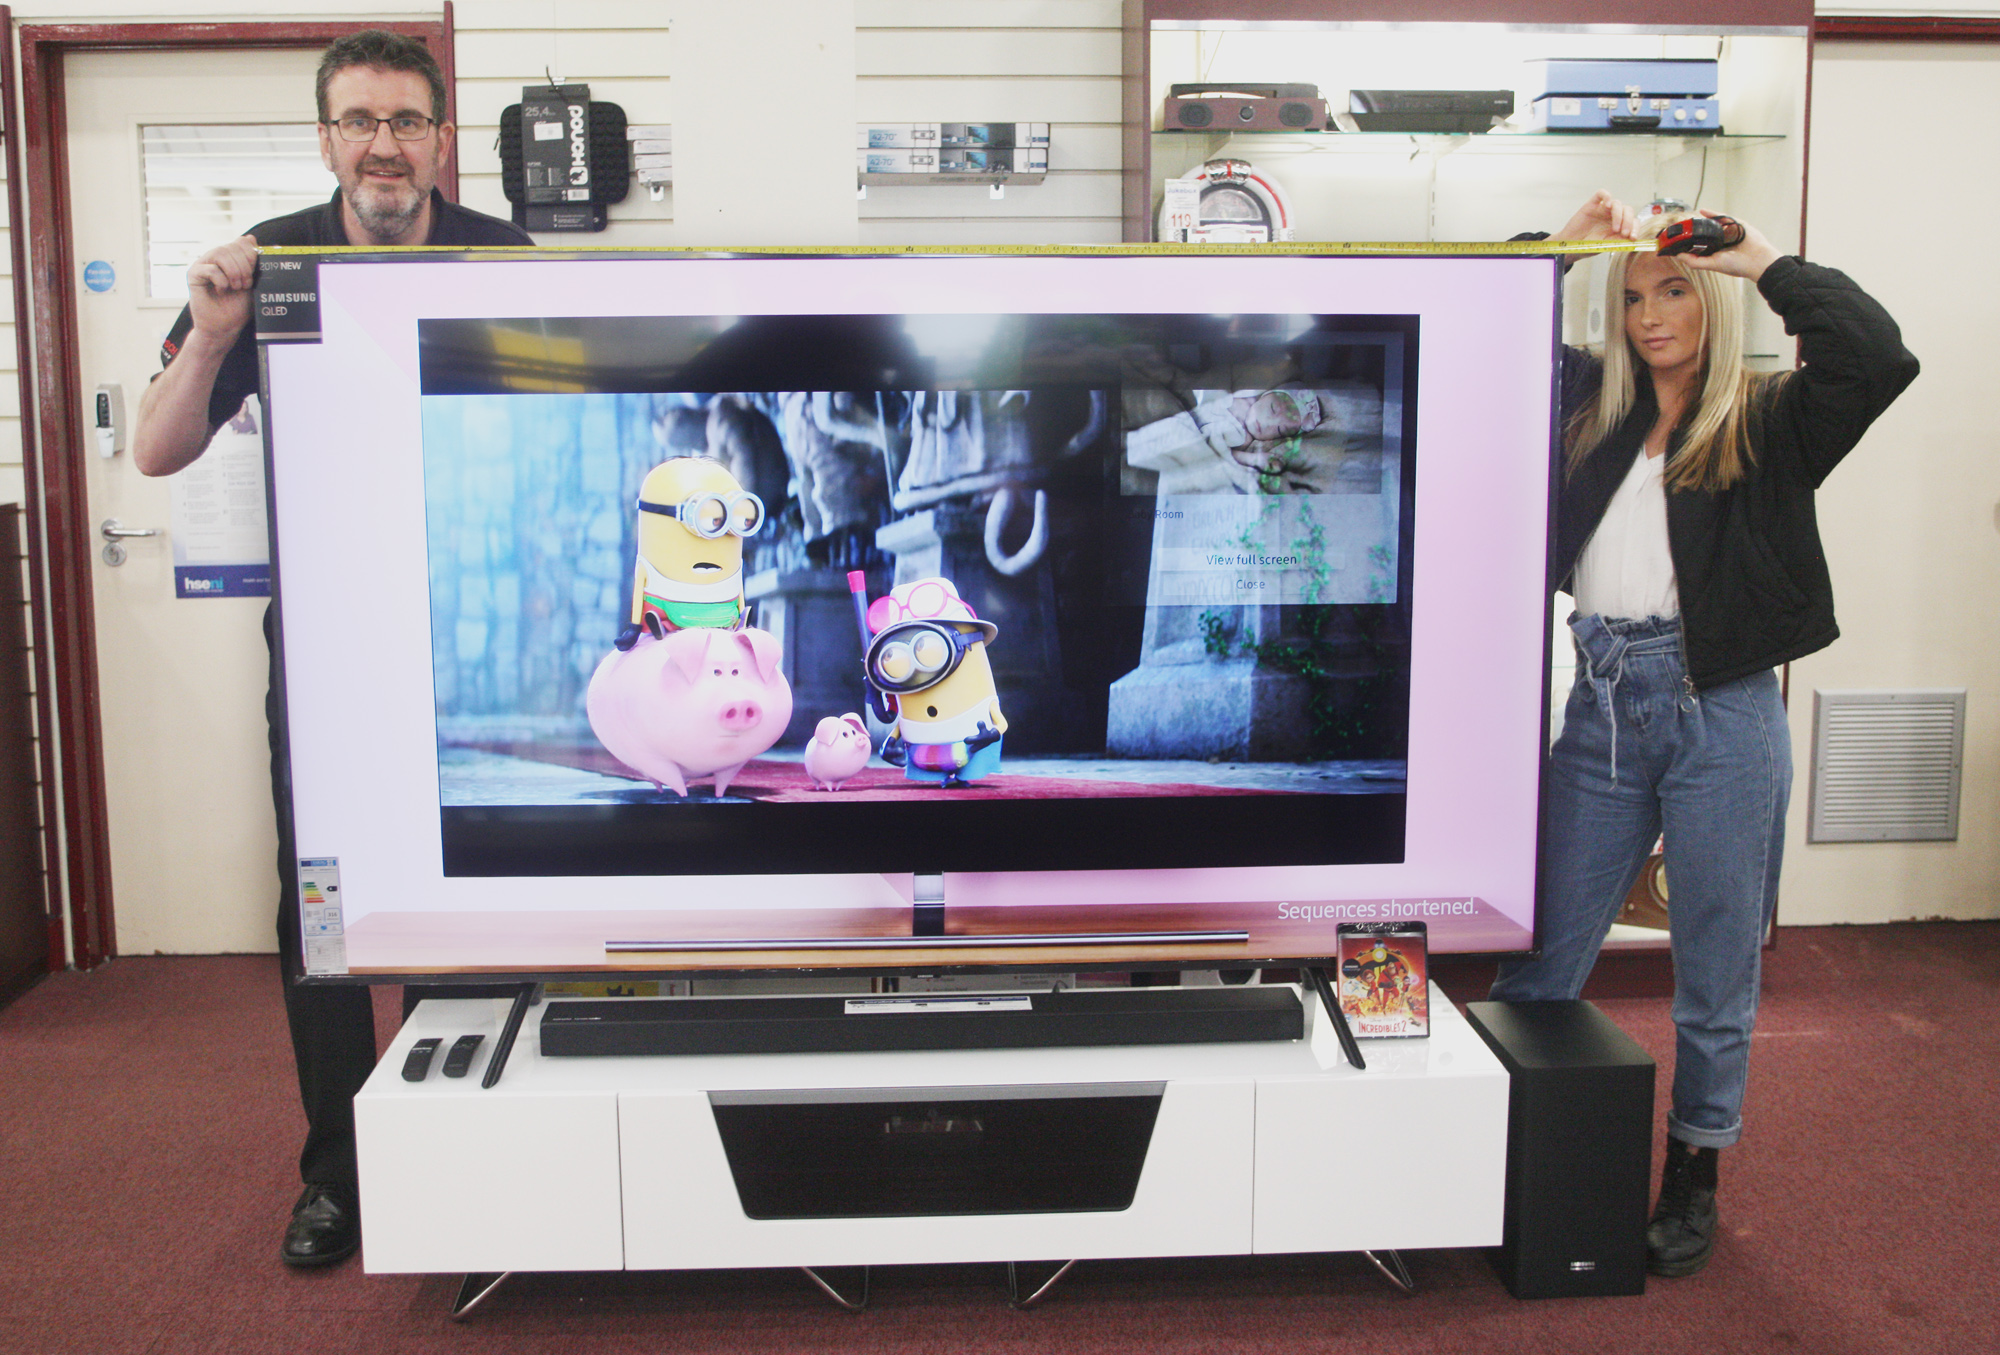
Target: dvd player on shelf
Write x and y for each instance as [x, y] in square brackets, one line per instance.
[1428, 110]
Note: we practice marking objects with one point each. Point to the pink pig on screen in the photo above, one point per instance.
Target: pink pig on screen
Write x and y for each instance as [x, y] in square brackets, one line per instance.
[698, 703]
[838, 750]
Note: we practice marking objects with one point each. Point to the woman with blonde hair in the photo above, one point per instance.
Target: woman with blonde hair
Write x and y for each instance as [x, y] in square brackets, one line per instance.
[1685, 531]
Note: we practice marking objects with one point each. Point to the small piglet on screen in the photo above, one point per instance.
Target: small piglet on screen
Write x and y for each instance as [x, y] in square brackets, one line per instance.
[695, 703]
[838, 751]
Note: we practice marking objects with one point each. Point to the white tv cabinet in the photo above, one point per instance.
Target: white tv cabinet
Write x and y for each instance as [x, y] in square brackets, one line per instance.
[617, 1163]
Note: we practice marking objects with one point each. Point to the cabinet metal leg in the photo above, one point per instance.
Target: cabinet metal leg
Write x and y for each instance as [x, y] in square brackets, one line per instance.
[851, 1305]
[1014, 1285]
[472, 1292]
[1393, 1270]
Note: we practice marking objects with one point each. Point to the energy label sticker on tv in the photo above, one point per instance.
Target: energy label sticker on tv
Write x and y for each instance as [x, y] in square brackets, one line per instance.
[322, 927]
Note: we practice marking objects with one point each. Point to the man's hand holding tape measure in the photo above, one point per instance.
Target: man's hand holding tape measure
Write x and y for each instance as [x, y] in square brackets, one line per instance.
[1708, 241]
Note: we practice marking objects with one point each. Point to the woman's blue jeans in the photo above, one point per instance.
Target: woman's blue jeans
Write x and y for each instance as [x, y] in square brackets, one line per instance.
[1642, 754]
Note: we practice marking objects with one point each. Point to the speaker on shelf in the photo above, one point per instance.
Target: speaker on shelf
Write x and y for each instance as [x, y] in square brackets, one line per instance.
[1579, 1149]
[1245, 108]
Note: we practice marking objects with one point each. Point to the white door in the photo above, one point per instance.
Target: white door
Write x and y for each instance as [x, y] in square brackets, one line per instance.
[180, 682]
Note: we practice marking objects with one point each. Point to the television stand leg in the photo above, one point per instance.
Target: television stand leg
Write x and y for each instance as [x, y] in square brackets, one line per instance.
[1393, 1270]
[1014, 1298]
[851, 1305]
[472, 1292]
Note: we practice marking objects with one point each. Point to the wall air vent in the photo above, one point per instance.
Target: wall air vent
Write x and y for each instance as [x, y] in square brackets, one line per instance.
[1886, 766]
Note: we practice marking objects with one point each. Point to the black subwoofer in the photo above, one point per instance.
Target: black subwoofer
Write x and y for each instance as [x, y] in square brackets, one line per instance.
[1579, 1149]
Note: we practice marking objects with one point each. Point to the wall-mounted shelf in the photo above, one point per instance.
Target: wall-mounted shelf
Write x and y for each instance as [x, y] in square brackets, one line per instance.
[948, 180]
[1494, 140]
[652, 158]
[994, 184]
[1360, 185]
[951, 154]
[1350, 186]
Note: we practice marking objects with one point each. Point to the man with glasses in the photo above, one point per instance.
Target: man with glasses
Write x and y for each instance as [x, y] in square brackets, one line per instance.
[382, 132]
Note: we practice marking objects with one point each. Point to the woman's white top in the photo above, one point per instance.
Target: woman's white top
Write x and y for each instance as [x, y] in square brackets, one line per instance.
[1626, 570]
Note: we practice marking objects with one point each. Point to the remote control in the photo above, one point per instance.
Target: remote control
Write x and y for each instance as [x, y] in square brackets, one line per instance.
[459, 1058]
[417, 1066]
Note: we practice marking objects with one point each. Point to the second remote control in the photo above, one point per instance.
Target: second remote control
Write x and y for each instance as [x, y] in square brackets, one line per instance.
[459, 1059]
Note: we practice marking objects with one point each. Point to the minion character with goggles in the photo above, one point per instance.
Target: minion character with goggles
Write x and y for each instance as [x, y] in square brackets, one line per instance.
[926, 665]
[693, 517]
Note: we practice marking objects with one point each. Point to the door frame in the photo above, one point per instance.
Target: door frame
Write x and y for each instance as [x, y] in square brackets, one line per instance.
[75, 823]
[24, 375]
[1905, 28]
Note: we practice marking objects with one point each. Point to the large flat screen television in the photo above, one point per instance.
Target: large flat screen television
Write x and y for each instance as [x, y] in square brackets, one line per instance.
[1183, 605]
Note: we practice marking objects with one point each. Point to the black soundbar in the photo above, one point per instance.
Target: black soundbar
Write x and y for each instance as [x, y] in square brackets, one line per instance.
[818, 1025]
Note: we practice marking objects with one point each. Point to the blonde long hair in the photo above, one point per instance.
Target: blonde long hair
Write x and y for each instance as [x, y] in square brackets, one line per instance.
[1715, 450]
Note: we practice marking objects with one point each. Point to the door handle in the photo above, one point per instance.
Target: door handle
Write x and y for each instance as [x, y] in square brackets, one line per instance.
[114, 539]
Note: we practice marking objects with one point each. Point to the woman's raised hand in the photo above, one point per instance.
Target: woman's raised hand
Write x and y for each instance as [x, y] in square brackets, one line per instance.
[1748, 259]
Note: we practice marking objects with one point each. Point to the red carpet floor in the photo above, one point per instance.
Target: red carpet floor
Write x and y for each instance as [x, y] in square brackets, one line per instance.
[149, 1127]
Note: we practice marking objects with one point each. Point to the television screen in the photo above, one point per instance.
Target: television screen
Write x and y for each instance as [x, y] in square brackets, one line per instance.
[666, 612]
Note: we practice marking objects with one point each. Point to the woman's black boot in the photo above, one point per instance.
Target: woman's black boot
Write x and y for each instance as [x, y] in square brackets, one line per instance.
[1682, 1233]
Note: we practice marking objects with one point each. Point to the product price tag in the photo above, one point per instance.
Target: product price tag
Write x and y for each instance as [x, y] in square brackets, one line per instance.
[1182, 210]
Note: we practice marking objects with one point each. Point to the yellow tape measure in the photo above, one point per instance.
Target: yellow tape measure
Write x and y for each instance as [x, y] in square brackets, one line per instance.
[1322, 248]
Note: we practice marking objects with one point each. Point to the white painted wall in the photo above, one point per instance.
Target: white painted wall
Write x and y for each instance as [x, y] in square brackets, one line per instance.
[777, 95]
[1911, 521]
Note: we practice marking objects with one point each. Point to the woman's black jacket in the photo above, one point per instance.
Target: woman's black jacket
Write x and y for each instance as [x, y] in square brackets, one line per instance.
[1753, 583]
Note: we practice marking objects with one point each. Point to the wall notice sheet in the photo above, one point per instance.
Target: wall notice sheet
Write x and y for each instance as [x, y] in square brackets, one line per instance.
[222, 542]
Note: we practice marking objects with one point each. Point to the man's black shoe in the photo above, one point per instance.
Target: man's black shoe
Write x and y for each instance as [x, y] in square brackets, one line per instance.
[325, 1227]
[1682, 1233]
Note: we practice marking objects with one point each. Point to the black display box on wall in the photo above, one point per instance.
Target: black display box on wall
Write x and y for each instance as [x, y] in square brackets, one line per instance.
[563, 158]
